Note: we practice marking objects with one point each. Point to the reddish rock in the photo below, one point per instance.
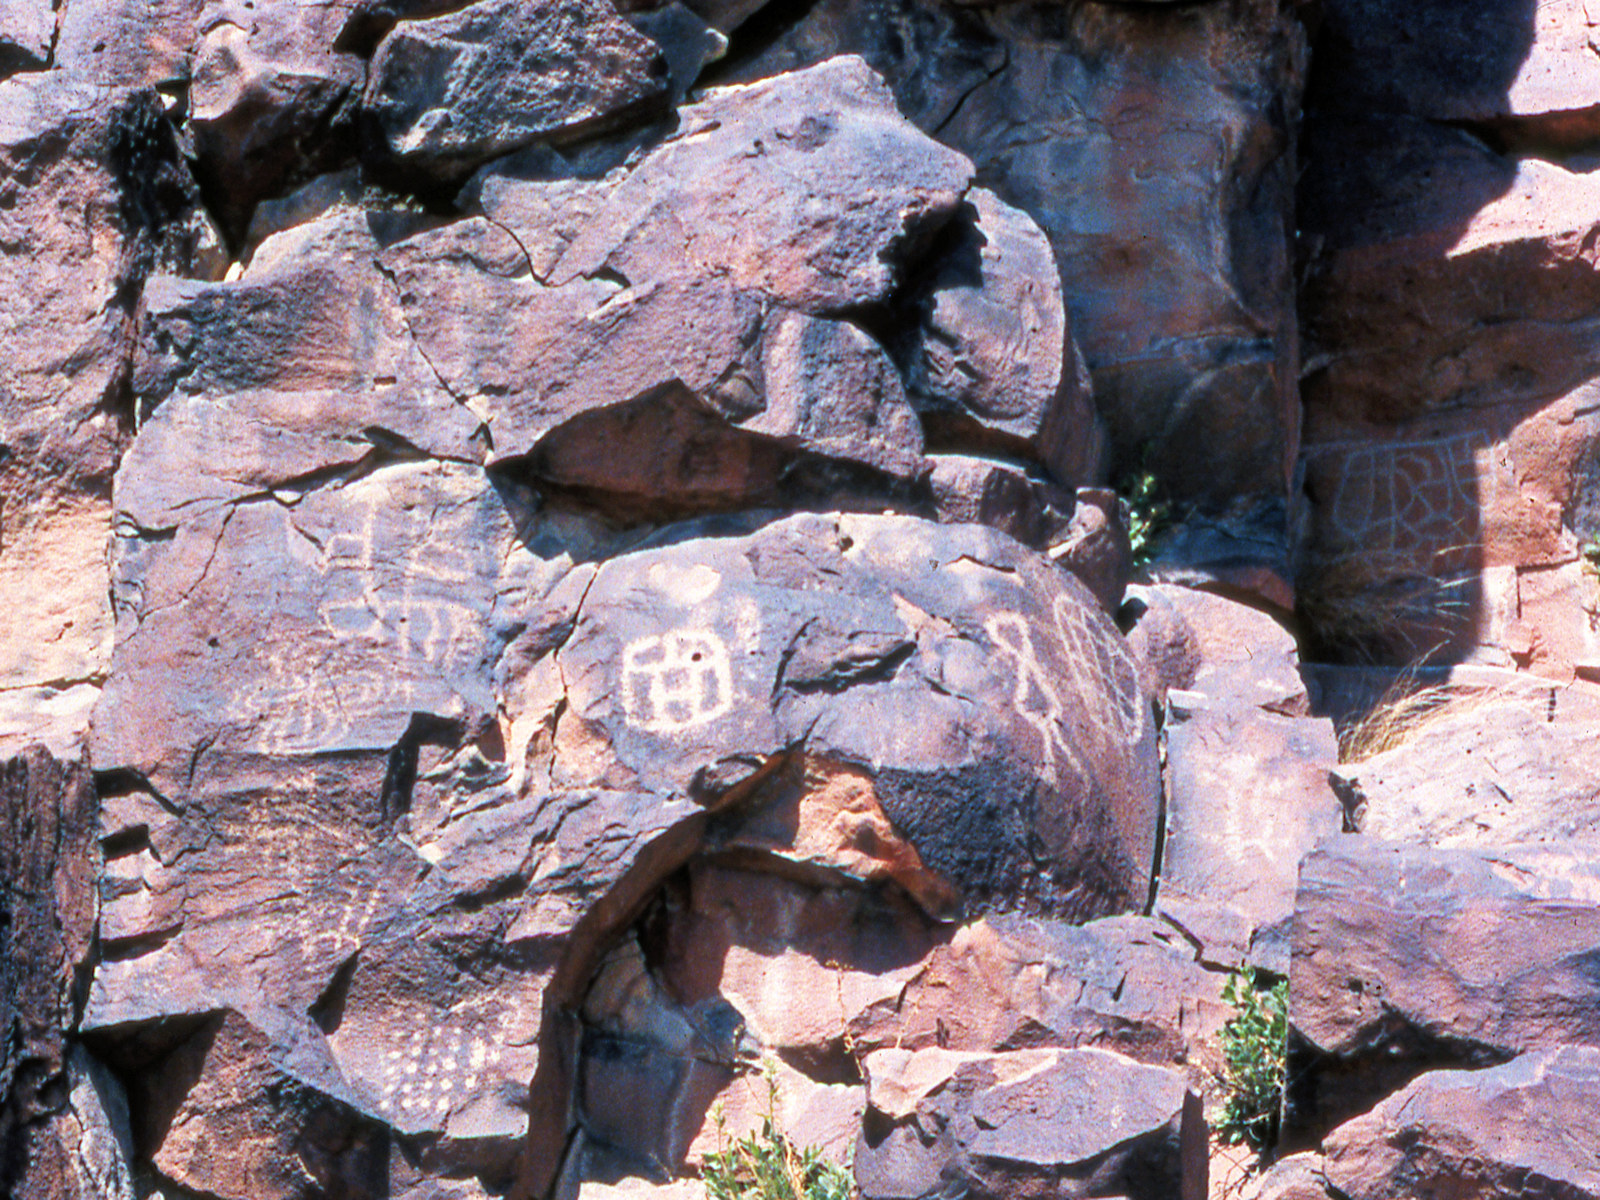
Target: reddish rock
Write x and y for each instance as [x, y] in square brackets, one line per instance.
[218, 1116]
[1522, 1129]
[1491, 772]
[1129, 984]
[452, 91]
[127, 43]
[1296, 1177]
[1245, 655]
[1167, 646]
[1248, 796]
[1408, 958]
[1065, 1123]
[994, 364]
[1003, 495]
[92, 194]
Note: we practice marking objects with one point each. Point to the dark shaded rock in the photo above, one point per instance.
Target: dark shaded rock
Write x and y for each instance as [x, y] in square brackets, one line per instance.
[1245, 655]
[452, 91]
[1248, 796]
[1522, 1129]
[1408, 959]
[271, 103]
[994, 365]
[1003, 495]
[1171, 242]
[1095, 546]
[219, 1117]
[1167, 646]
[1066, 1123]
[48, 863]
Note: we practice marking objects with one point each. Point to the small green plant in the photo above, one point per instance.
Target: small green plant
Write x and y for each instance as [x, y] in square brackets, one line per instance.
[1148, 514]
[1254, 1047]
[767, 1165]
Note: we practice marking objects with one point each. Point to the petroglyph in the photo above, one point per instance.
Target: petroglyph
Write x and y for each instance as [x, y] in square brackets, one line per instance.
[676, 681]
[1103, 674]
[1413, 498]
[440, 1063]
[1035, 698]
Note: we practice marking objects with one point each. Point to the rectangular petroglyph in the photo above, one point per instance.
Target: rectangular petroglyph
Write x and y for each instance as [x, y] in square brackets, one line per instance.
[676, 681]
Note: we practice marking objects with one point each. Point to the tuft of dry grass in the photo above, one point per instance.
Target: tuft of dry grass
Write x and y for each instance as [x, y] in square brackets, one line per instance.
[1372, 607]
[1406, 710]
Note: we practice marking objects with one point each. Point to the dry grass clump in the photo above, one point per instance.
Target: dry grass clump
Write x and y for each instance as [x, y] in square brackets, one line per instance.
[1373, 607]
[1404, 712]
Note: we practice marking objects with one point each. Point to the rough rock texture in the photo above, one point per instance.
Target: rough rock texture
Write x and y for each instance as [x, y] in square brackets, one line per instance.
[1491, 772]
[455, 90]
[1448, 316]
[48, 865]
[1408, 958]
[1065, 1123]
[93, 197]
[579, 557]
[1522, 1129]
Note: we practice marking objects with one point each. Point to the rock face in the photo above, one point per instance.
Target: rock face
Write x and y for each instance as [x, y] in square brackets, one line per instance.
[1407, 958]
[1522, 1127]
[588, 579]
[1030, 1122]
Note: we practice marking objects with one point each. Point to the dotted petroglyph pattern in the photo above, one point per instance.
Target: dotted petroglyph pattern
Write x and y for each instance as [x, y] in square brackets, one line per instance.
[441, 1061]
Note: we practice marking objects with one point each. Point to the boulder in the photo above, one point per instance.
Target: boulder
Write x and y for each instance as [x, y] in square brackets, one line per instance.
[1171, 242]
[1295, 1177]
[127, 43]
[1066, 1123]
[1483, 771]
[1095, 546]
[1008, 982]
[271, 103]
[1035, 747]
[1408, 958]
[993, 364]
[1248, 796]
[1003, 495]
[449, 92]
[1245, 655]
[1522, 1129]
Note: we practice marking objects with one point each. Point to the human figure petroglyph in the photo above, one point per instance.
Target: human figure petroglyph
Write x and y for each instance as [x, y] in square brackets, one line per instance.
[676, 681]
[1035, 697]
[1104, 674]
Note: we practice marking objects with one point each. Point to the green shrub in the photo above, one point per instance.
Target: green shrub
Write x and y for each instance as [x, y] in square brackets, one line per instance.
[1254, 1046]
[768, 1165]
[1149, 515]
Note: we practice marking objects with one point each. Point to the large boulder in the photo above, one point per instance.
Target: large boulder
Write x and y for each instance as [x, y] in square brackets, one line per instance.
[1408, 958]
[1522, 1129]
[1067, 1123]
[1152, 144]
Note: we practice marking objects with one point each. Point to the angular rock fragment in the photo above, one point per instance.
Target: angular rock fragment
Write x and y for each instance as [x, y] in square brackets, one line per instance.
[1523, 1129]
[1408, 958]
[1069, 1123]
[1129, 984]
[1248, 797]
[450, 92]
[994, 365]
[1244, 655]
